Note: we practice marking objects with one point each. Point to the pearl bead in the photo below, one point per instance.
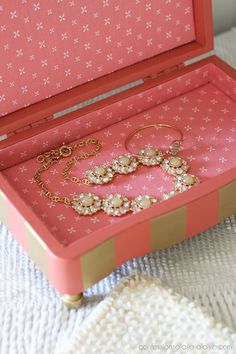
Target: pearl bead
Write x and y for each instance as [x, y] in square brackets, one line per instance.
[175, 162]
[124, 160]
[116, 201]
[188, 180]
[99, 170]
[87, 200]
[150, 152]
[145, 202]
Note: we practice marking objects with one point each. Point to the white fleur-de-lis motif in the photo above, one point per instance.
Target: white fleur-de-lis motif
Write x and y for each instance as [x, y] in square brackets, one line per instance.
[222, 159]
[2, 97]
[23, 154]
[13, 15]
[66, 54]
[168, 17]
[187, 27]
[64, 36]
[22, 169]
[109, 57]
[128, 14]
[225, 110]
[87, 46]
[199, 138]
[68, 72]
[36, 6]
[42, 44]
[95, 219]
[16, 34]
[85, 28]
[202, 169]
[107, 21]
[44, 62]
[24, 89]
[39, 26]
[19, 52]
[218, 129]
[71, 230]
[62, 17]
[230, 139]
[88, 64]
[46, 80]
[187, 10]
[84, 9]
[150, 177]
[61, 217]
[191, 158]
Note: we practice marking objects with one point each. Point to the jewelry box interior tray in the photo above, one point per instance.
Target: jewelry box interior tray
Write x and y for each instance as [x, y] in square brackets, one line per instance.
[200, 100]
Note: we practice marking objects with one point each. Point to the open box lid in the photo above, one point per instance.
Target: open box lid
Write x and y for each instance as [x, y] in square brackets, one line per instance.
[83, 49]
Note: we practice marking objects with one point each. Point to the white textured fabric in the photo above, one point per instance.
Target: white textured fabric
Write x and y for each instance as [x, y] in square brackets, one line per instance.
[33, 320]
[225, 46]
[142, 315]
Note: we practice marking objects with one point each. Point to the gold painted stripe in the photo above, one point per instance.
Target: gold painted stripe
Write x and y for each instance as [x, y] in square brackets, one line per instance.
[227, 201]
[3, 209]
[37, 249]
[98, 263]
[168, 229]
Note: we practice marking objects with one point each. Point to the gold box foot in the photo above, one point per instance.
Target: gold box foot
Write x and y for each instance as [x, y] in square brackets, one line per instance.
[72, 301]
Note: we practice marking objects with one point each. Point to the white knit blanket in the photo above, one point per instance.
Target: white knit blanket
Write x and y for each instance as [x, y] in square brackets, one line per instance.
[34, 321]
[141, 315]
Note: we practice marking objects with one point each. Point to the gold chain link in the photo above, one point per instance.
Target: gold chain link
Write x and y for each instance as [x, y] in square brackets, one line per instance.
[51, 157]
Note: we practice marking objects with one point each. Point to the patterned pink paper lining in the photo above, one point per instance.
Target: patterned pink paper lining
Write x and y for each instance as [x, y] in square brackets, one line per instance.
[108, 115]
[50, 46]
[207, 117]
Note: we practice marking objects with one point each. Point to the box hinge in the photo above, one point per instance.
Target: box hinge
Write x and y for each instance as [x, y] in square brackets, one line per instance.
[164, 72]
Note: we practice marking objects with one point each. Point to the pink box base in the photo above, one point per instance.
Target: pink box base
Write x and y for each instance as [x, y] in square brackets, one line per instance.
[206, 115]
[200, 99]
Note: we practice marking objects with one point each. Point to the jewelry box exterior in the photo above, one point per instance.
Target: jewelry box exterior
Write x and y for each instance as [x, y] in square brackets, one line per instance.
[72, 271]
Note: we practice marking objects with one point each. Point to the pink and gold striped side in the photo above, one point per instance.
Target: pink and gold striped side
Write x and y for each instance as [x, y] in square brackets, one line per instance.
[73, 275]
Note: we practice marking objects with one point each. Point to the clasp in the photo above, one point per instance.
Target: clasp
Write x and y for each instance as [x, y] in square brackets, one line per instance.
[65, 150]
[50, 156]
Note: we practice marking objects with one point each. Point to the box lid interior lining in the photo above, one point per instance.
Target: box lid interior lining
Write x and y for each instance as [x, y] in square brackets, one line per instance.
[49, 47]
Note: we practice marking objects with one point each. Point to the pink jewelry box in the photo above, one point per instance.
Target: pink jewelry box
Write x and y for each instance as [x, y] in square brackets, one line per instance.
[102, 46]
